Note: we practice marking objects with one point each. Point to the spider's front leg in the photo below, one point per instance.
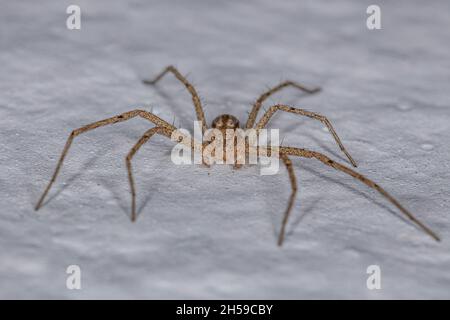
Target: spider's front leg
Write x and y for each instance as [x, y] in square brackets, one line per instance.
[168, 132]
[268, 115]
[116, 119]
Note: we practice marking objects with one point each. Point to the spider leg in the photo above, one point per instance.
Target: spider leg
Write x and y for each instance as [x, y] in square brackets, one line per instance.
[189, 87]
[288, 163]
[119, 118]
[266, 117]
[252, 116]
[324, 159]
[147, 135]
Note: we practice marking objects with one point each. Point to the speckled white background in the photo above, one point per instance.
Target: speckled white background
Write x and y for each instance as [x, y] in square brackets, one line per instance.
[211, 233]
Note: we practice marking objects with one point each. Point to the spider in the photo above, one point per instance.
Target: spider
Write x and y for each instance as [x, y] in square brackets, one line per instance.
[227, 121]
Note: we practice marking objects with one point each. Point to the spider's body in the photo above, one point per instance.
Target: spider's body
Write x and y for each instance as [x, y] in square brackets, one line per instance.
[226, 122]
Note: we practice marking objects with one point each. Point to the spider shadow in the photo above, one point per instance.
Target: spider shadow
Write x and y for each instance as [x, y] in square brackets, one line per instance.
[300, 218]
[170, 101]
[322, 145]
[333, 152]
[360, 193]
[119, 198]
[155, 186]
[88, 164]
[276, 223]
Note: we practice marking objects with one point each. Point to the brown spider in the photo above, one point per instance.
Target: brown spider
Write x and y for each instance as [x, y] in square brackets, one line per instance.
[224, 122]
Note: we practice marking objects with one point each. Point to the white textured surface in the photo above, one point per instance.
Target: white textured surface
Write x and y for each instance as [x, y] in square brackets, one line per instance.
[211, 233]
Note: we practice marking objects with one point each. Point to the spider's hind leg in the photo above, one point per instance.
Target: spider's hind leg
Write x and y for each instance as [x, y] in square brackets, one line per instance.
[329, 162]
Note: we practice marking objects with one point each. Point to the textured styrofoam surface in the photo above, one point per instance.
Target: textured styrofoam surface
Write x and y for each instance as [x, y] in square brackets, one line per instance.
[211, 233]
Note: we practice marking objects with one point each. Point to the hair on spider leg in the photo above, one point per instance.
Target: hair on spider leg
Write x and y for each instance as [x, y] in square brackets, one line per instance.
[187, 75]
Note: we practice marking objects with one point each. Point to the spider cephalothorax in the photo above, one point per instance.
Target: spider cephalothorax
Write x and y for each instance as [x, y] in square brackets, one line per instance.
[225, 122]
